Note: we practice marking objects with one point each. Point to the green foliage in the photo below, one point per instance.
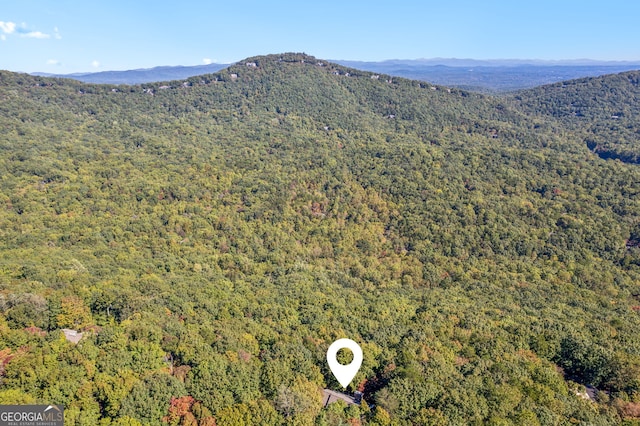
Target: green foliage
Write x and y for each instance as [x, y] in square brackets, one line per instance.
[149, 398]
[300, 402]
[603, 111]
[212, 238]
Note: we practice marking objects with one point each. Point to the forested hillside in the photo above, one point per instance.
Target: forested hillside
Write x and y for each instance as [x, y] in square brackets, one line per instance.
[604, 111]
[214, 236]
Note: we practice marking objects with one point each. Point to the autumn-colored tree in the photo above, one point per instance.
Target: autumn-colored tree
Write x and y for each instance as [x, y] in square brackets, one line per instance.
[300, 402]
[186, 411]
[217, 236]
[73, 313]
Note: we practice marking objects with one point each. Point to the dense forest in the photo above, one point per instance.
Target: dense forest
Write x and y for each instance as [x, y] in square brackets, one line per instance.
[605, 111]
[212, 237]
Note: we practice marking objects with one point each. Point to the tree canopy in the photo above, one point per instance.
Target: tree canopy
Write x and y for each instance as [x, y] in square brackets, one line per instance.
[213, 236]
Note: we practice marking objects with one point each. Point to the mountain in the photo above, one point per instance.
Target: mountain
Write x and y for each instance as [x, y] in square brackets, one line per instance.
[604, 110]
[212, 237]
[496, 63]
[493, 76]
[490, 76]
[140, 76]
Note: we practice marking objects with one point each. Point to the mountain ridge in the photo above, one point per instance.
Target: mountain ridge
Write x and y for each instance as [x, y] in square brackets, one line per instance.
[139, 76]
[470, 62]
[490, 75]
[214, 235]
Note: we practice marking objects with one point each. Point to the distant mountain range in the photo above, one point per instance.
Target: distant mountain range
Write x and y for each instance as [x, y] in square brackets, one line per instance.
[139, 76]
[493, 75]
[478, 75]
[458, 62]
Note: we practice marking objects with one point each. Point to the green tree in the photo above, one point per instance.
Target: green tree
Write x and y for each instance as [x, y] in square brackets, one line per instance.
[73, 313]
[149, 399]
[299, 403]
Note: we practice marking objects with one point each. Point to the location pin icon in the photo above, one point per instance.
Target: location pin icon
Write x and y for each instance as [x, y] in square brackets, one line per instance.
[344, 373]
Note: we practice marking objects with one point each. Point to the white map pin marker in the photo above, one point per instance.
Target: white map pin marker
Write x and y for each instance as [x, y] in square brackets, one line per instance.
[344, 373]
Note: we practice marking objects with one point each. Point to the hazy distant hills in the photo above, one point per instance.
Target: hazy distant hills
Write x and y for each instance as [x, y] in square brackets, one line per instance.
[139, 76]
[456, 62]
[471, 74]
[493, 75]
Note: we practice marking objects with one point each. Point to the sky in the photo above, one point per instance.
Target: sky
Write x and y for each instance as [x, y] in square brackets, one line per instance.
[64, 36]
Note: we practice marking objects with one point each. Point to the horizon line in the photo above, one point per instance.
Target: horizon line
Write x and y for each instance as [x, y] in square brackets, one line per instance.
[434, 60]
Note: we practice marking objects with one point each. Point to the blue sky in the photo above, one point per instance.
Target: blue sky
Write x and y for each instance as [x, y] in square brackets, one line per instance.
[65, 36]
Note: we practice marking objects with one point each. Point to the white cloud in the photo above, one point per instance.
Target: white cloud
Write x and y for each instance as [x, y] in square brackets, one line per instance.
[207, 61]
[53, 62]
[95, 64]
[23, 31]
[35, 34]
[7, 27]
